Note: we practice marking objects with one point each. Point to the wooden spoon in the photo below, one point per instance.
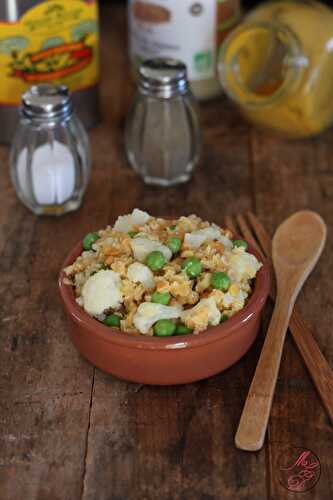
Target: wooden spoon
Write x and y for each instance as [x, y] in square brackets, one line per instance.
[297, 245]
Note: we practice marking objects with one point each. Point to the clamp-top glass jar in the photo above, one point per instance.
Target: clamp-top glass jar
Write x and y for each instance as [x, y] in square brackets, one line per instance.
[163, 137]
[278, 67]
[50, 155]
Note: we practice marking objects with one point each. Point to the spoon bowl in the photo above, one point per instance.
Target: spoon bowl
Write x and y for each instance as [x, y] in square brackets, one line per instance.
[299, 241]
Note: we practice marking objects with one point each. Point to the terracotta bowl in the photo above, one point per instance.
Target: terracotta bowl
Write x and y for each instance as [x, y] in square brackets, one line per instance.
[164, 361]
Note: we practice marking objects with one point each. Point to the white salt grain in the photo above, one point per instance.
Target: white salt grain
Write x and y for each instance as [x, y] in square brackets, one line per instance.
[53, 173]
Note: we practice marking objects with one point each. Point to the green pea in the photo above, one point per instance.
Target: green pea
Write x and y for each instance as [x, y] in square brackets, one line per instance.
[112, 320]
[161, 298]
[220, 281]
[240, 244]
[174, 244]
[155, 260]
[224, 318]
[132, 234]
[192, 266]
[182, 330]
[164, 328]
[89, 240]
[172, 228]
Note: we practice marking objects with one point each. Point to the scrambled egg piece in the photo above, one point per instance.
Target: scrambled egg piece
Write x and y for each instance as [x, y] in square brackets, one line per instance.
[101, 292]
[132, 293]
[203, 282]
[149, 313]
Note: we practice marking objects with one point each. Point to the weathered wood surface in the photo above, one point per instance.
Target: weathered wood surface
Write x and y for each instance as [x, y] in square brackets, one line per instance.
[68, 431]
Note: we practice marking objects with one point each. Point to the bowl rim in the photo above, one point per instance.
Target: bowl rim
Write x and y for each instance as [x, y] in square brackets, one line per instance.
[212, 334]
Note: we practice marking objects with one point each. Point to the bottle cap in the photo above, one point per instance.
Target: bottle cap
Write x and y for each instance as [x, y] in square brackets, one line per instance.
[163, 78]
[47, 102]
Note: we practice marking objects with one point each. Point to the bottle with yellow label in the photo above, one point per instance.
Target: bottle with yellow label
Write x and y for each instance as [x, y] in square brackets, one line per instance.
[48, 41]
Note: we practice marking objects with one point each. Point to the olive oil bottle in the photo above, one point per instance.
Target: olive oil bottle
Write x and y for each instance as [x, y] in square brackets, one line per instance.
[48, 41]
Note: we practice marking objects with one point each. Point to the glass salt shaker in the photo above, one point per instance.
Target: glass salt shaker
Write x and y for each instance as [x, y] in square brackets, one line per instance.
[50, 153]
[163, 136]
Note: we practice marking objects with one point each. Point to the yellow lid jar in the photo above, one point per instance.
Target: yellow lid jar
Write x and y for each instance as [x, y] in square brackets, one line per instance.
[278, 67]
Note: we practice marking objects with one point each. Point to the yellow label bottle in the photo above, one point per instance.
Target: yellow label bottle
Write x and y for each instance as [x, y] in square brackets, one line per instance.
[55, 41]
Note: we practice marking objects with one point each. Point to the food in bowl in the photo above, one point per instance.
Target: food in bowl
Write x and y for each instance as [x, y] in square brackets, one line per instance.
[162, 277]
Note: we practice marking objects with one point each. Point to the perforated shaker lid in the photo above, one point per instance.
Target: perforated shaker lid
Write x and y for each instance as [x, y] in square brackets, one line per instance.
[47, 102]
[163, 77]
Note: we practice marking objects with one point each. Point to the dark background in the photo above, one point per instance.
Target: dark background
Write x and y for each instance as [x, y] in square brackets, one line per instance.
[248, 3]
[245, 3]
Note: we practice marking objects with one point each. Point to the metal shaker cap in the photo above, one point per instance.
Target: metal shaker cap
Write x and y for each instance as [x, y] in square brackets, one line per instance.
[163, 78]
[47, 102]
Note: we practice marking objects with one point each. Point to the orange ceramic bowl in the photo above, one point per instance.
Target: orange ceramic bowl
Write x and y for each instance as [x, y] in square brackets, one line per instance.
[164, 361]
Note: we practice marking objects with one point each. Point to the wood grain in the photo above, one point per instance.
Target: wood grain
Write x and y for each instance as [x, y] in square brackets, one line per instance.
[288, 177]
[296, 247]
[318, 367]
[69, 432]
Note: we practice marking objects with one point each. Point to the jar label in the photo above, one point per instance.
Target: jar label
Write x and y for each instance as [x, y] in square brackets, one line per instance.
[56, 41]
[187, 30]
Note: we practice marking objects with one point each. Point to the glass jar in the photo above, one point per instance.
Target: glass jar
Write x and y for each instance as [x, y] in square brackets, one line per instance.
[185, 30]
[278, 67]
[163, 137]
[50, 154]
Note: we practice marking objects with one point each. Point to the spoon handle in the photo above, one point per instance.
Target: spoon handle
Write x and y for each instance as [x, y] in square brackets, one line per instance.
[253, 423]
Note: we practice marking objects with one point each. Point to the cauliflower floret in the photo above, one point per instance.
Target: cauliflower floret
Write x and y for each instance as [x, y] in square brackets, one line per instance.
[213, 232]
[218, 296]
[148, 313]
[225, 241]
[202, 314]
[125, 223]
[234, 299]
[244, 266]
[197, 238]
[139, 273]
[101, 292]
[222, 238]
[203, 282]
[142, 247]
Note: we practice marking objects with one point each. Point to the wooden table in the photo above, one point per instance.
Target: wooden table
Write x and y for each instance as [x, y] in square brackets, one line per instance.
[69, 431]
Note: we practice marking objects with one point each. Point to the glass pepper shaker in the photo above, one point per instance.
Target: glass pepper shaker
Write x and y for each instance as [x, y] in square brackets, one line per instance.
[50, 153]
[163, 136]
